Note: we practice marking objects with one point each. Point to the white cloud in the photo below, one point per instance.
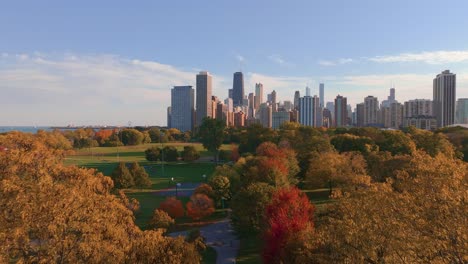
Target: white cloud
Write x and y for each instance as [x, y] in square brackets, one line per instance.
[335, 62]
[429, 57]
[116, 89]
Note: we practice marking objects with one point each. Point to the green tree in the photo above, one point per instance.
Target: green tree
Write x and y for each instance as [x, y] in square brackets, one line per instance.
[212, 133]
[153, 154]
[248, 208]
[190, 153]
[122, 177]
[170, 153]
[255, 135]
[131, 137]
[221, 187]
[140, 176]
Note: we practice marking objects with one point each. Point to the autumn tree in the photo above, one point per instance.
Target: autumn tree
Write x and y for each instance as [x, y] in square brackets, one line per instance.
[173, 207]
[199, 206]
[255, 135]
[190, 153]
[160, 219]
[140, 176]
[289, 213]
[66, 214]
[248, 208]
[122, 177]
[204, 189]
[212, 133]
[102, 135]
[418, 217]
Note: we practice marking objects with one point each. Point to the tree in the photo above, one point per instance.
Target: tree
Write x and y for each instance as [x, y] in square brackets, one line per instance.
[419, 217]
[160, 219]
[131, 137]
[170, 153]
[172, 207]
[212, 133]
[288, 213]
[255, 135]
[152, 154]
[122, 177]
[349, 142]
[346, 169]
[248, 208]
[430, 142]
[66, 214]
[190, 153]
[102, 135]
[221, 187]
[205, 189]
[199, 206]
[140, 176]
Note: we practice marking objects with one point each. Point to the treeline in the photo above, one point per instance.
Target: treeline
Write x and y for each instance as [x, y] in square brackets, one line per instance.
[396, 196]
[64, 214]
[88, 137]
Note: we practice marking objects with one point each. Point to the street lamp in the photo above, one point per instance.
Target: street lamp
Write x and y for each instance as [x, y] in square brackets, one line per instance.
[177, 185]
[204, 177]
[162, 152]
[169, 183]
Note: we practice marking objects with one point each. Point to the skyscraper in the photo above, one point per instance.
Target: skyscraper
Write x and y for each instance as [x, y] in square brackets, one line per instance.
[390, 98]
[309, 111]
[371, 108]
[266, 115]
[251, 105]
[274, 103]
[444, 94]
[182, 107]
[258, 95]
[204, 88]
[307, 91]
[360, 115]
[462, 111]
[341, 111]
[238, 89]
[322, 95]
[297, 95]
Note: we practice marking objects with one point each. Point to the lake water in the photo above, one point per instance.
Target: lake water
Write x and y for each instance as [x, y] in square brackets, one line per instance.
[27, 129]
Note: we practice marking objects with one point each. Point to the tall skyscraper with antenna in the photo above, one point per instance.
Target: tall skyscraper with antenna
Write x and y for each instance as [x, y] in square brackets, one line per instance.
[238, 89]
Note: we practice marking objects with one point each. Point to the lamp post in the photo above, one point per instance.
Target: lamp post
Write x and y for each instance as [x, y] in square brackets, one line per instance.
[177, 185]
[169, 183]
[204, 177]
[162, 152]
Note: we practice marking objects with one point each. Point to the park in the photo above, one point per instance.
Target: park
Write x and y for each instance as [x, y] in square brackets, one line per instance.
[177, 179]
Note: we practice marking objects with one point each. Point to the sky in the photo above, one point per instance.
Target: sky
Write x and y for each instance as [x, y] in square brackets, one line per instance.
[115, 62]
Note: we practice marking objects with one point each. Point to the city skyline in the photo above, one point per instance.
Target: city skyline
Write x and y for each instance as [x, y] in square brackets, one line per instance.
[57, 68]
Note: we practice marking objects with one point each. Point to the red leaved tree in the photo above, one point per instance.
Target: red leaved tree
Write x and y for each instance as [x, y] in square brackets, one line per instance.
[172, 207]
[199, 206]
[289, 213]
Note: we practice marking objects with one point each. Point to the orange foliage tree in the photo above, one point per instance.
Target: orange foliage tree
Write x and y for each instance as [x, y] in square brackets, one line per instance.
[199, 206]
[289, 213]
[172, 207]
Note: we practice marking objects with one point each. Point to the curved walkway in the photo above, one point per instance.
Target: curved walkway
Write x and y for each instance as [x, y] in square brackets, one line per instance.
[222, 238]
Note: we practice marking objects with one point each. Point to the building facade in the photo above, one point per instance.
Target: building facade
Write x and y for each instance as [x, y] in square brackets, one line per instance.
[309, 111]
[238, 89]
[182, 108]
[204, 89]
[462, 111]
[341, 111]
[258, 95]
[444, 94]
[371, 108]
[322, 95]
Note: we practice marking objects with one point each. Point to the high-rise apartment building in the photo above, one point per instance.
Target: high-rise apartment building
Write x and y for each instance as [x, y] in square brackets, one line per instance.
[341, 111]
[258, 95]
[251, 105]
[462, 111]
[360, 115]
[203, 90]
[274, 103]
[419, 113]
[238, 89]
[371, 108]
[266, 115]
[444, 94]
[182, 108]
[297, 95]
[309, 111]
[322, 95]
[278, 118]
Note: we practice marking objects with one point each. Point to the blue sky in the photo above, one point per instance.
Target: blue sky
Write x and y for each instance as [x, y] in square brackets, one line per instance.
[110, 62]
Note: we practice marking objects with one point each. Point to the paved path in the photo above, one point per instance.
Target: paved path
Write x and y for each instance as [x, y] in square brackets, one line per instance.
[222, 238]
